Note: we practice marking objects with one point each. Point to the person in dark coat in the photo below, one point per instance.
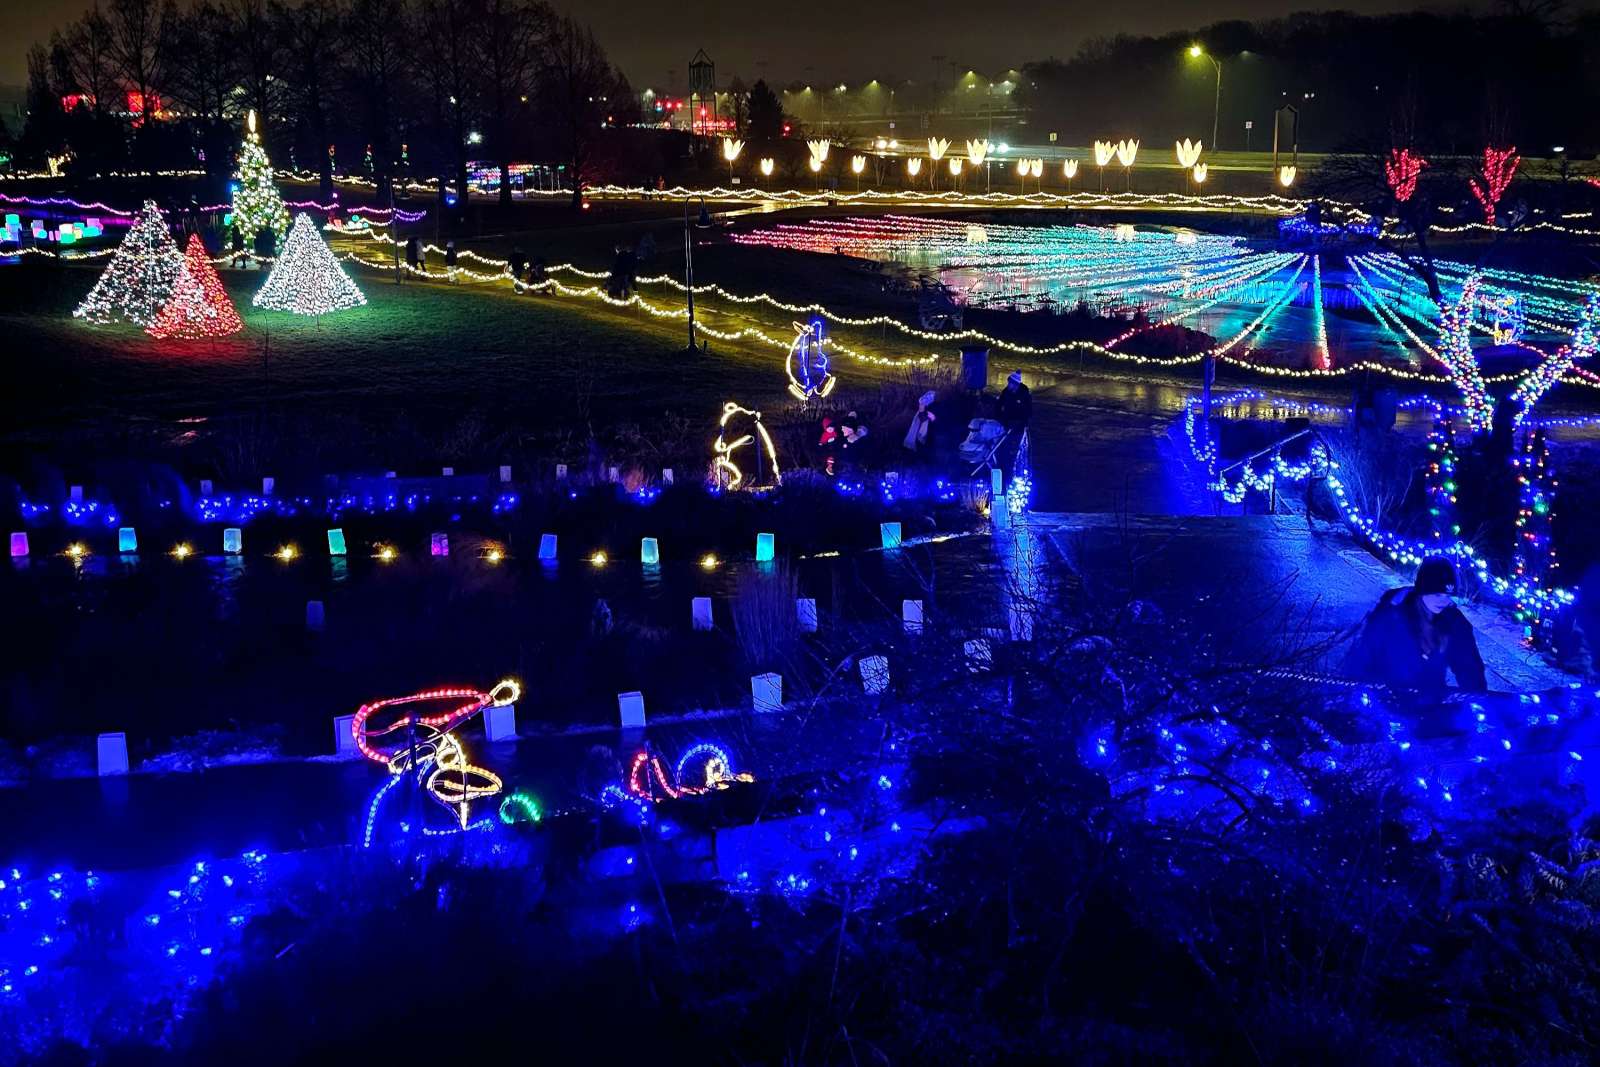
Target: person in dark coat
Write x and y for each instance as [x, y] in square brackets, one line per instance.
[1016, 403]
[1416, 634]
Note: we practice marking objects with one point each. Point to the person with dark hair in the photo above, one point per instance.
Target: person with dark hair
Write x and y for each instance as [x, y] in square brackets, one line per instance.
[1416, 634]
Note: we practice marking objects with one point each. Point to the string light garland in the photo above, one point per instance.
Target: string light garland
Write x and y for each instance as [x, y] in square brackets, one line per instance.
[1322, 359]
[307, 279]
[140, 278]
[1222, 350]
[200, 306]
[1402, 551]
[126, 215]
[1439, 479]
[1553, 368]
[635, 300]
[1212, 203]
[256, 203]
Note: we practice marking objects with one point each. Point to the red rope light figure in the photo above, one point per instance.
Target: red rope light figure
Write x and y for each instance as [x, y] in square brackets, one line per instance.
[452, 780]
[1401, 171]
[1499, 165]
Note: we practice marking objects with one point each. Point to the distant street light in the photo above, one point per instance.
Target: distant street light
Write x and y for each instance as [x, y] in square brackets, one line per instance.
[1196, 52]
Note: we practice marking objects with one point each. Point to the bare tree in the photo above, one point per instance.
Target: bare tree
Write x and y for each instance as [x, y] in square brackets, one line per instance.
[44, 132]
[576, 84]
[310, 35]
[260, 56]
[739, 105]
[89, 64]
[375, 33]
[1546, 11]
[512, 34]
[447, 64]
[141, 38]
[205, 67]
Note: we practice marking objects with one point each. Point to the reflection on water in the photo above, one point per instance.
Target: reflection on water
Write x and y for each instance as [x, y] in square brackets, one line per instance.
[167, 646]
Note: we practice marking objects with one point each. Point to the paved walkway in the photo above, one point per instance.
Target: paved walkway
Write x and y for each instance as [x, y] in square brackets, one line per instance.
[1262, 582]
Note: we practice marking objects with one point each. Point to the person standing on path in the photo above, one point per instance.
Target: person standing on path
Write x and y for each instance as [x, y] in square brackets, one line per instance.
[1016, 403]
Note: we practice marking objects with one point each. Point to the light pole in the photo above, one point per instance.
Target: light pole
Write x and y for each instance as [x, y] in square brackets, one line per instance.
[688, 264]
[1195, 52]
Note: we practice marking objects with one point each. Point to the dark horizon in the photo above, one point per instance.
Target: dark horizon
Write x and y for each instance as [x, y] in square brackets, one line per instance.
[797, 44]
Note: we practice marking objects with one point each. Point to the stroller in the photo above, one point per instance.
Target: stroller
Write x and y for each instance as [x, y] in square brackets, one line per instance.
[983, 437]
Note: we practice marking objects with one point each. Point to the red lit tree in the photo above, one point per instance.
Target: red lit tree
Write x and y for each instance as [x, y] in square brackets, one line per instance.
[1499, 165]
[199, 306]
[1401, 171]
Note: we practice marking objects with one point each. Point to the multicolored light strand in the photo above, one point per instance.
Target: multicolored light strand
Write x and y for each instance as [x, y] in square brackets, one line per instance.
[256, 203]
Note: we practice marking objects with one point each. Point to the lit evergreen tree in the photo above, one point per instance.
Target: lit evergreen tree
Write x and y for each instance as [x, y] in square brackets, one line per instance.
[140, 277]
[199, 306]
[256, 203]
[307, 280]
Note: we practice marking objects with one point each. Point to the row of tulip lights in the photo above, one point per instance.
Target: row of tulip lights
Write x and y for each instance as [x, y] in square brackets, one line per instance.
[731, 150]
[1125, 152]
[938, 150]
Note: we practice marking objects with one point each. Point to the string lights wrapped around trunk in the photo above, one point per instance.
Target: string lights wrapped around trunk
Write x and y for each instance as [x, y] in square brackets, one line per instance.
[1554, 367]
[1455, 352]
[1499, 166]
[1401, 170]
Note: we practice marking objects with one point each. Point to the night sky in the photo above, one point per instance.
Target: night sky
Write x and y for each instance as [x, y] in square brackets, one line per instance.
[839, 39]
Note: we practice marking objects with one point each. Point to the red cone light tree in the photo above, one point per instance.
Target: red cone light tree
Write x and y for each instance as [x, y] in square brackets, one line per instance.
[199, 306]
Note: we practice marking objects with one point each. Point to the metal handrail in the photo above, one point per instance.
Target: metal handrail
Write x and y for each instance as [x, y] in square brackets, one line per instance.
[1276, 446]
